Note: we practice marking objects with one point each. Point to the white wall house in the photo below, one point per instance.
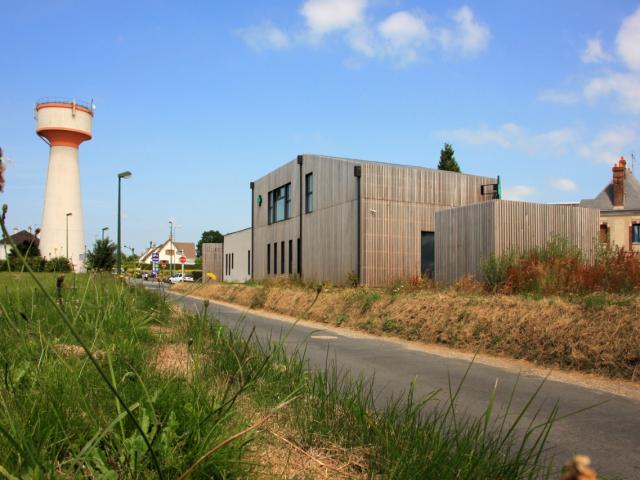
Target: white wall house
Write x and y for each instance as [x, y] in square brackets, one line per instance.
[18, 237]
[170, 252]
[237, 256]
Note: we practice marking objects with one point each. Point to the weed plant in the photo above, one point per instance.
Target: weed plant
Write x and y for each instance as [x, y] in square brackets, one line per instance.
[560, 268]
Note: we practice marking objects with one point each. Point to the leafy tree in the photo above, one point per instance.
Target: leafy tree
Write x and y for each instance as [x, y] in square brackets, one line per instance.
[209, 236]
[102, 256]
[448, 160]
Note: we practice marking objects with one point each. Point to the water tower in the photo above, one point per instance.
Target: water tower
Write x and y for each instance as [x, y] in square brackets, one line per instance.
[63, 124]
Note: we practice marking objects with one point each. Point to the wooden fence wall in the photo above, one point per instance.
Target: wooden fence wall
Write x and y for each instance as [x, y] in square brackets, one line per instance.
[212, 261]
[467, 236]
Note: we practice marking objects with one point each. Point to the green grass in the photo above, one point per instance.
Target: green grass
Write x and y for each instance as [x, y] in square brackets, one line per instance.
[58, 417]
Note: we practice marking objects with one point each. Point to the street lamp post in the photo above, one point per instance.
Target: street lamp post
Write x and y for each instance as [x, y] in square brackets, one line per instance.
[103, 230]
[67, 220]
[121, 175]
[171, 245]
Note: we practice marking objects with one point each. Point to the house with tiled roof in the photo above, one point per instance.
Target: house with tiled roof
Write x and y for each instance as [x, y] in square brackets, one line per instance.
[619, 205]
[170, 252]
[25, 237]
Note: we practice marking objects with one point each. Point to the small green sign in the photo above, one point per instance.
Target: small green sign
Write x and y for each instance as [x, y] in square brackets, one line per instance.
[259, 200]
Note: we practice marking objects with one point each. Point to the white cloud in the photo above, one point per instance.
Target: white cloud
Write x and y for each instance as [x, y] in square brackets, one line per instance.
[594, 53]
[608, 145]
[264, 37]
[326, 16]
[512, 136]
[628, 40]
[518, 192]
[555, 96]
[402, 37]
[624, 86]
[403, 34]
[469, 36]
[564, 184]
[403, 28]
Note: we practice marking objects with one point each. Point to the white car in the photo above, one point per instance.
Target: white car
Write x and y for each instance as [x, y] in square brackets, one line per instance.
[179, 278]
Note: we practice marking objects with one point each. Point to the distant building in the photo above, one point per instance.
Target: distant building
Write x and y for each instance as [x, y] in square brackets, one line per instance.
[237, 256]
[619, 205]
[20, 237]
[170, 252]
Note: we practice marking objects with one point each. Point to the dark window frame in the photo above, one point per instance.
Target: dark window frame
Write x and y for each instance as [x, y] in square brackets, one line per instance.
[635, 233]
[280, 194]
[290, 257]
[248, 262]
[308, 192]
[282, 257]
[299, 256]
[268, 258]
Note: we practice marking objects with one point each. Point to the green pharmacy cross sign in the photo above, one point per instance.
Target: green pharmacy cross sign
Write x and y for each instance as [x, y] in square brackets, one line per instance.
[259, 200]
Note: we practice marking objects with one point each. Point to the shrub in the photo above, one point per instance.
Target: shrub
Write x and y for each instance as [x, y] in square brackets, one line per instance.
[58, 264]
[559, 267]
[495, 269]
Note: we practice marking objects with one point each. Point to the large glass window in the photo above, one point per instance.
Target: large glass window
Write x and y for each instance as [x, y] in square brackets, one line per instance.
[279, 203]
[308, 188]
[635, 233]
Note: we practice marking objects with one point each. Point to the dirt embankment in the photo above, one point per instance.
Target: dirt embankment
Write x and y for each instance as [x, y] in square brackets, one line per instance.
[596, 333]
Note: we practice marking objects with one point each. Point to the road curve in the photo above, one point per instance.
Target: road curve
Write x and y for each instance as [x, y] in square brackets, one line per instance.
[609, 433]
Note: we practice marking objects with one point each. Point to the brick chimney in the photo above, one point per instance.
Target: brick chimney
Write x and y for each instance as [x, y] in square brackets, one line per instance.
[619, 174]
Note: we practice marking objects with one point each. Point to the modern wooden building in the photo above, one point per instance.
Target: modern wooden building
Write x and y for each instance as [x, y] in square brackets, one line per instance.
[336, 219]
[467, 236]
[619, 206]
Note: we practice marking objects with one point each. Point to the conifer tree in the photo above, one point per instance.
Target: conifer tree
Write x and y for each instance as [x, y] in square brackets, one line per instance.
[448, 159]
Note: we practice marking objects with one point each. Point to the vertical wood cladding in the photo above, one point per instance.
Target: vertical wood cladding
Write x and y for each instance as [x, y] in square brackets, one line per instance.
[467, 236]
[328, 232]
[400, 202]
[212, 261]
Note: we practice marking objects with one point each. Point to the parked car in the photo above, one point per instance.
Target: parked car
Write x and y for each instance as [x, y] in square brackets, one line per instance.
[179, 278]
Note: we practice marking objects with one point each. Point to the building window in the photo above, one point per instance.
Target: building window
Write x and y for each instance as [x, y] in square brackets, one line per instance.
[635, 233]
[290, 257]
[168, 252]
[275, 258]
[299, 257]
[279, 201]
[232, 261]
[282, 257]
[268, 258]
[248, 262]
[308, 188]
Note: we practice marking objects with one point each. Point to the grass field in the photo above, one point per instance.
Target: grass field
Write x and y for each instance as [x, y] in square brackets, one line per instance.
[212, 405]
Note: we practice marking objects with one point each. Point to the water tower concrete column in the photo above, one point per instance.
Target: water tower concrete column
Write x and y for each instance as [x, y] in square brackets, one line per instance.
[64, 124]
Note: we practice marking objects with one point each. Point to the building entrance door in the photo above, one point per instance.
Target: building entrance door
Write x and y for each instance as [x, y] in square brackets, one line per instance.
[427, 254]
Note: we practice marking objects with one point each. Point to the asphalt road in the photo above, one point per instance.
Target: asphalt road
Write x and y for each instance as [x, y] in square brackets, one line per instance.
[609, 433]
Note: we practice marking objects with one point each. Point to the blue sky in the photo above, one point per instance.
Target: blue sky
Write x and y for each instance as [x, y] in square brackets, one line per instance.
[199, 98]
